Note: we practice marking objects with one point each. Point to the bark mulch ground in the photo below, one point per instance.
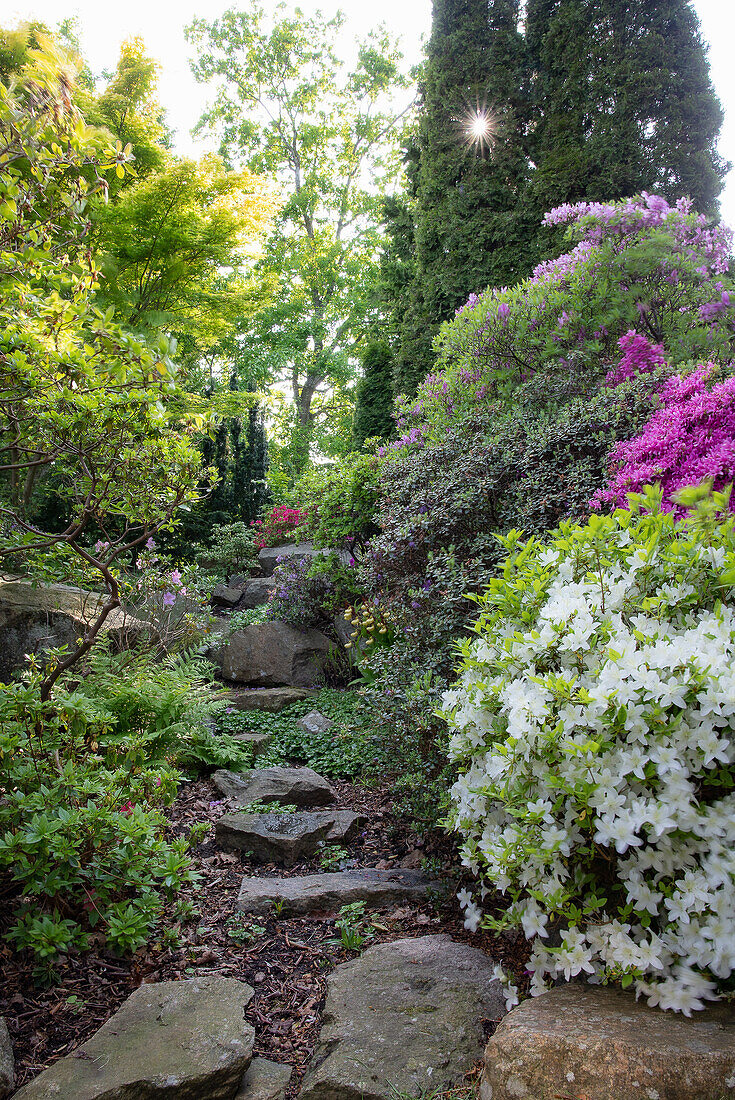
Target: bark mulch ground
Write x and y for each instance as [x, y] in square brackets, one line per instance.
[285, 961]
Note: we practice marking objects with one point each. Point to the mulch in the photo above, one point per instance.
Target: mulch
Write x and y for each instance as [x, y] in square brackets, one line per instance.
[285, 961]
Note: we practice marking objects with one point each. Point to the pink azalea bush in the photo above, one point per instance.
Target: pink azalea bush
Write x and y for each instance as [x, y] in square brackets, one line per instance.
[278, 525]
[690, 437]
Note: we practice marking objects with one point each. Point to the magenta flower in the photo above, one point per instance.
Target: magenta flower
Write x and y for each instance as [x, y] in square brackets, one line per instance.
[168, 599]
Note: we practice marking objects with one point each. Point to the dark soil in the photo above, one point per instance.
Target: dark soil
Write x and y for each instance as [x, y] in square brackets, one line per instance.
[285, 961]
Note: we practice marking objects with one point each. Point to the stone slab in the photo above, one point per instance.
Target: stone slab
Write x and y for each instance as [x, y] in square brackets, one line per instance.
[405, 1018]
[327, 893]
[300, 787]
[602, 1044]
[7, 1062]
[265, 1080]
[259, 741]
[169, 1041]
[271, 700]
[224, 596]
[285, 838]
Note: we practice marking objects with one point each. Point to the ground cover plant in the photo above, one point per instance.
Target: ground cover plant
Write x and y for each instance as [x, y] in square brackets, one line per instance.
[592, 725]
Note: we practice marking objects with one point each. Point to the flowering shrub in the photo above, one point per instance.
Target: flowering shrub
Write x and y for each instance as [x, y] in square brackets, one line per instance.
[311, 591]
[690, 437]
[593, 727]
[340, 502]
[277, 527]
[636, 264]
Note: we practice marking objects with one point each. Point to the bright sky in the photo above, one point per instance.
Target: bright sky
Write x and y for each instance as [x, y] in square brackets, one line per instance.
[104, 26]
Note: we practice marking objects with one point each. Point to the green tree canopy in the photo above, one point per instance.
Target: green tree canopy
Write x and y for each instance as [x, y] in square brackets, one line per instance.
[287, 105]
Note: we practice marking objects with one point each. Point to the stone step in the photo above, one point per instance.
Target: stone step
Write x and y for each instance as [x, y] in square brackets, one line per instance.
[581, 1040]
[264, 1080]
[284, 838]
[301, 787]
[329, 892]
[185, 1040]
[7, 1062]
[271, 700]
[259, 741]
[404, 1019]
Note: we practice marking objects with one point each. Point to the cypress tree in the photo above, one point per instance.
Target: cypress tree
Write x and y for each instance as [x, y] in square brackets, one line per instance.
[471, 226]
[624, 102]
[374, 402]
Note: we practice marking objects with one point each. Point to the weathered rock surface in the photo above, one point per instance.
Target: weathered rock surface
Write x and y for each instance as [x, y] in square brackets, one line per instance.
[301, 787]
[33, 620]
[285, 838]
[271, 700]
[405, 1017]
[329, 892]
[257, 591]
[275, 654]
[601, 1043]
[258, 741]
[269, 555]
[314, 722]
[224, 596]
[265, 1080]
[179, 1040]
[7, 1063]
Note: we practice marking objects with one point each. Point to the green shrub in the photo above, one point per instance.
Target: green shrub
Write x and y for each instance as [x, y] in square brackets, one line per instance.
[81, 833]
[231, 550]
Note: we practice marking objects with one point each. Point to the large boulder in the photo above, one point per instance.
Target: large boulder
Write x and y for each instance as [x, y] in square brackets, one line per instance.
[404, 1019]
[275, 654]
[7, 1063]
[256, 592]
[37, 618]
[269, 556]
[169, 1041]
[327, 893]
[301, 787]
[602, 1044]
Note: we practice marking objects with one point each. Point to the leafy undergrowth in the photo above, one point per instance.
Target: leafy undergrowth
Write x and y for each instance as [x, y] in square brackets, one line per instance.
[352, 747]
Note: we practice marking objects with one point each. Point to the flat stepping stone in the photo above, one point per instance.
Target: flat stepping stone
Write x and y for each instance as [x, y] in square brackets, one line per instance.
[404, 1019]
[301, 787]
[259, 741]
[7, 1062]
[285, 838]
[169, 1041]
[329, 892]
[265, 1080]
[581, 1040]
[270, 700]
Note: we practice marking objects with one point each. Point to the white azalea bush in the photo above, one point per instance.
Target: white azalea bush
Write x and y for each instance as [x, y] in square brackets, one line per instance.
[593, 726]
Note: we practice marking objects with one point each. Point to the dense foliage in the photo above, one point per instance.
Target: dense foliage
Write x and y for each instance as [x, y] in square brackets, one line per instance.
[593, 729]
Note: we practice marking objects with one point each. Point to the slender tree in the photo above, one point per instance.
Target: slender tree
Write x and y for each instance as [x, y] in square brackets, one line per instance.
[286, 105]
[374, 401]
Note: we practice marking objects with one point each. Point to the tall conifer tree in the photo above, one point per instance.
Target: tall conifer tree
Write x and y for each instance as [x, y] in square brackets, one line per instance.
[624, 102]
[471, 227]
